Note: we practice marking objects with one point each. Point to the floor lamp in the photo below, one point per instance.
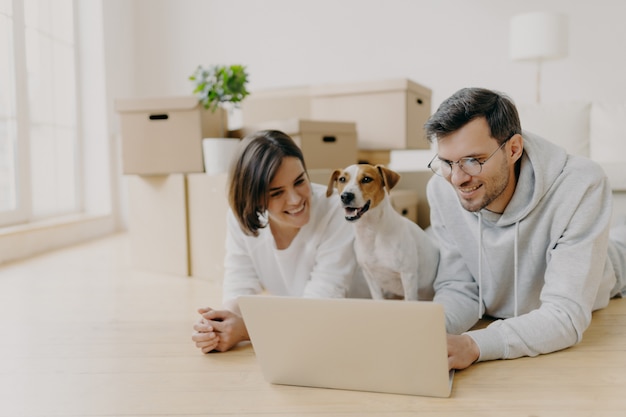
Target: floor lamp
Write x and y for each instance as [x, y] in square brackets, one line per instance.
[538, 37]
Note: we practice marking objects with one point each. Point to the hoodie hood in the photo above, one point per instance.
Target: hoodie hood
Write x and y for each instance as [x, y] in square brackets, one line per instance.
[541, 164]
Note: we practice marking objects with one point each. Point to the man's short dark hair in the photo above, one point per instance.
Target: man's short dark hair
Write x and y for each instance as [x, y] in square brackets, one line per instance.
[468, 104]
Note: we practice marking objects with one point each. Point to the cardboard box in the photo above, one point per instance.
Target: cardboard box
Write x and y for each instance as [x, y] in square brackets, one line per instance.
[416, 181]
[177, 223]
[164, 135]
[411, 159]
[405, 203]
[276, 104]
[389, 114]
[374, 157]
[158, 223]
[207, 206]
[320, 176]
[324, 144]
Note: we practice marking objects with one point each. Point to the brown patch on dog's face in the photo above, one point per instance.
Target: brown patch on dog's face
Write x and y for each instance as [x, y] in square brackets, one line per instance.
[342, 179]
[371, 183]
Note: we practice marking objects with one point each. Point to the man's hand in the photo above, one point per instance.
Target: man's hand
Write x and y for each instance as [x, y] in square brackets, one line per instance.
[462, 351]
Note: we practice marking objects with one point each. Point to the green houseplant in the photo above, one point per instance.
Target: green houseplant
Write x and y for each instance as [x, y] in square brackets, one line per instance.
[220, 86]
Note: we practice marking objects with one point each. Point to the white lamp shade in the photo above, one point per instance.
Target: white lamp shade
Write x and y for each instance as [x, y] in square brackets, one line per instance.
[538, 36]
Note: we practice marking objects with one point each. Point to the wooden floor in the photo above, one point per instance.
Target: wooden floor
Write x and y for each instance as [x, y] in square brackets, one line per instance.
[84, 334]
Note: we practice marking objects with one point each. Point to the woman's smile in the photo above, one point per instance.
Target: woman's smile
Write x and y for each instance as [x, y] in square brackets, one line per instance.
[296, 210]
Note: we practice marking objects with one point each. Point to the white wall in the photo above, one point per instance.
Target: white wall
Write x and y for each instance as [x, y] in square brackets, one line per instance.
[443, 44]
[152, 46]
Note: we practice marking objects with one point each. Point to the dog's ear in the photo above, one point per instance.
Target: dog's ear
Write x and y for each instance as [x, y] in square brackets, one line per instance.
[390, 177]
[332, 181]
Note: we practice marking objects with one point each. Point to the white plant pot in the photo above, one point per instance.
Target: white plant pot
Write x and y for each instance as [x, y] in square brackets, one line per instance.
[218, 153]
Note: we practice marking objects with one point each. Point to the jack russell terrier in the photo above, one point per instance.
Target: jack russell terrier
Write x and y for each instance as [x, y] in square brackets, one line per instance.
[398, 259]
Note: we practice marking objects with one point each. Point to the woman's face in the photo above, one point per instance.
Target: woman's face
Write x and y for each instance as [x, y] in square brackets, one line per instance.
[290, 195]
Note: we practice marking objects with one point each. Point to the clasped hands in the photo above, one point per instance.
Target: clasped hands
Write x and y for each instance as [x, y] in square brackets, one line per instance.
[218, 330]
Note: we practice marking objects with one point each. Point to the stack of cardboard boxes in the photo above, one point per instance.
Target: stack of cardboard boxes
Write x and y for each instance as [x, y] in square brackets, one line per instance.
[389, 116]
[174, 227]
[177, 213]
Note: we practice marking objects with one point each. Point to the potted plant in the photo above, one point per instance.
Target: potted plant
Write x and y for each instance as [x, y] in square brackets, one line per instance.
[219, 86]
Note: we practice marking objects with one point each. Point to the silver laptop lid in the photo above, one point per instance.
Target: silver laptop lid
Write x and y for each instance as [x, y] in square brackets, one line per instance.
[381, 346]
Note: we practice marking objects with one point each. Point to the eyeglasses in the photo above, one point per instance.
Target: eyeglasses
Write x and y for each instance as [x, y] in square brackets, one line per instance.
[471, 166]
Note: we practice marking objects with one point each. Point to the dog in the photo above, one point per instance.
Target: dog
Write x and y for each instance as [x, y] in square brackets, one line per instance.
[399, 260]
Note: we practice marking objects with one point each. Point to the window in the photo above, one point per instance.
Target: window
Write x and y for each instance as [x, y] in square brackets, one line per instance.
[38, 110]
[8, 133]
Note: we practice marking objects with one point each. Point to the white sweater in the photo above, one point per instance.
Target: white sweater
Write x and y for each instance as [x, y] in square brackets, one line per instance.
[320, 262]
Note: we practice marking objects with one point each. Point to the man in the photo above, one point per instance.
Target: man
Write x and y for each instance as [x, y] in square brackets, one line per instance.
[523, 231]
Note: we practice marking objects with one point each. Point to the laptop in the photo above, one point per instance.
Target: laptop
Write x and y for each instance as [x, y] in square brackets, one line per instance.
[389, 346]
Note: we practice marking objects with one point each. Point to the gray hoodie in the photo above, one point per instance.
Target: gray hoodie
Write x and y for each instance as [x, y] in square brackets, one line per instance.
[541, 267]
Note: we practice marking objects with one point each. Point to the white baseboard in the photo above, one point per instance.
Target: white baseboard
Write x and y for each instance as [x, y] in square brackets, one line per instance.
[23, 241]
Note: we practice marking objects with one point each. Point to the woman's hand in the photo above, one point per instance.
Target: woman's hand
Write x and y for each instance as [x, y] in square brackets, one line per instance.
[218, 330]
[204, 334]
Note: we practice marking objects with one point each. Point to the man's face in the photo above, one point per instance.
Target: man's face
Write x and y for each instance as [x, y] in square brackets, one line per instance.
[493, 187]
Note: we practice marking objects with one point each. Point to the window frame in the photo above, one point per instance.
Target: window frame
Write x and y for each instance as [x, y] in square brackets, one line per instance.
[23, 212]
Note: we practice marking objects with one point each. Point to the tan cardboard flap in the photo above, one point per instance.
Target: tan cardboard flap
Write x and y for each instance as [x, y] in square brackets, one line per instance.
[156, 104]
[279, 92]
[293, 127]
[400, 84]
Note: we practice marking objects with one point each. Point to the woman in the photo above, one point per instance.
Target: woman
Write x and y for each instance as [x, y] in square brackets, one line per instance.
[285, 237]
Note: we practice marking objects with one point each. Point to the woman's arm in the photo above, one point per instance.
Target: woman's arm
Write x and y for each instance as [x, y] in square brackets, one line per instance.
[335, 263]
[240, 274]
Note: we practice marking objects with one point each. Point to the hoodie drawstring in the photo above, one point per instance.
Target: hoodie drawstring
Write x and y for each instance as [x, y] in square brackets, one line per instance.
[480, 267]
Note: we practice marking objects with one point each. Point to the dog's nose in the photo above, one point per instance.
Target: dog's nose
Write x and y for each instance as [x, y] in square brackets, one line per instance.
[347, 197]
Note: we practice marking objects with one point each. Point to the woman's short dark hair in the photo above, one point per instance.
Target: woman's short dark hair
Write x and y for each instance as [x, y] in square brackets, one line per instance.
[468, 104]
[253, 168]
